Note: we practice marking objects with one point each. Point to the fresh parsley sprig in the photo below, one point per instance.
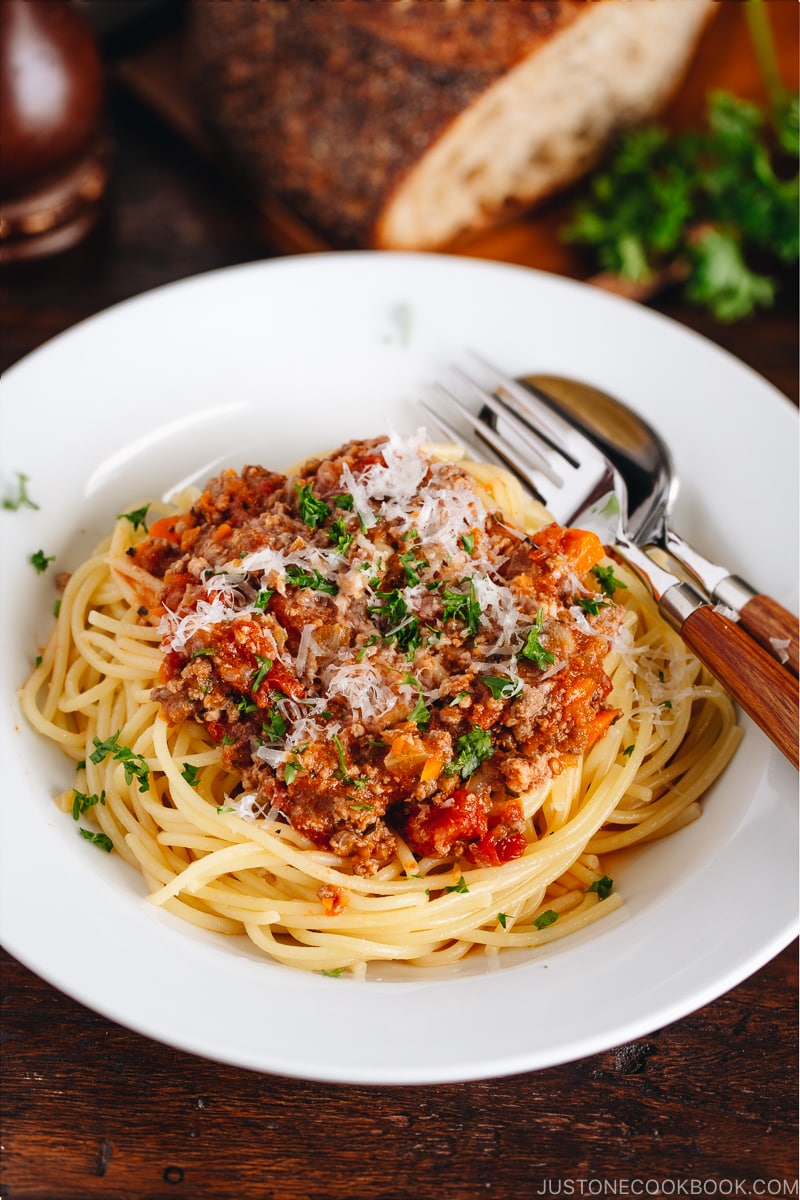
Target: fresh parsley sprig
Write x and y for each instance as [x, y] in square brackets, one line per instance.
[703, 206]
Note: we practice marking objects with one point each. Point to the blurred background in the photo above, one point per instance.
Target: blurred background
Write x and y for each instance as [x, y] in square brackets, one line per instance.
[147, 140]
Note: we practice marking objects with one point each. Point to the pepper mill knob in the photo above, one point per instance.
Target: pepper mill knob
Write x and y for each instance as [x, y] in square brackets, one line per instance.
[54, 154]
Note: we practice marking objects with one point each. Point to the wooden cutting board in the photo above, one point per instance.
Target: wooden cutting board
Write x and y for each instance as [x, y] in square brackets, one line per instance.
[724, 59]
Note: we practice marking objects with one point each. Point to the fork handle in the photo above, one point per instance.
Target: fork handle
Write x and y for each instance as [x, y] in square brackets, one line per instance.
[756, 681]
[772, 625]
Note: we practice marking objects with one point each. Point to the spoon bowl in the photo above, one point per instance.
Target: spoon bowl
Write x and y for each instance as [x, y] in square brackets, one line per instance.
[643, 460]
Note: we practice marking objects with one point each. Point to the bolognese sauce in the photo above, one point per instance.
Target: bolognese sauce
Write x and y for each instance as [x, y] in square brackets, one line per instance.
[378, 652]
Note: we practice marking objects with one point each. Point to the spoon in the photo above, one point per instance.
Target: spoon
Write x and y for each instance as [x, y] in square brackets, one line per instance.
[644, 461]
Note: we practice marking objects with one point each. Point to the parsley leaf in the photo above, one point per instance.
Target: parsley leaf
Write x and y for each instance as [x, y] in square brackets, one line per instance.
[608, 581]
[533, 648]
[22, 499]
[275, 726]
[339, 536]
[190, 773]
[312, 511]
[502, 687]
[546, 918]
[136, 516]
[459, 887]
[316, 581]
[699, 205]
[463, 606]
[472, 749]
[39, 561]
[134, 765]
[590, 604]
[264, 668]
[98, 839]
[412, 566]
[81, 803]
[603, 887]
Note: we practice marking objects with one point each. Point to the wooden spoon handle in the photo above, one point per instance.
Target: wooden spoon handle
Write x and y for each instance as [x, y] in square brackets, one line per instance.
[766, 691]
[772, 625]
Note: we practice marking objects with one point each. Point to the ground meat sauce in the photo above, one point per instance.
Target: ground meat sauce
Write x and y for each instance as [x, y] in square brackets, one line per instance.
[377, 653]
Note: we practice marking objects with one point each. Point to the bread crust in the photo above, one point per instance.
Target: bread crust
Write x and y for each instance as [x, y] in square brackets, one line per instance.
[336, 108]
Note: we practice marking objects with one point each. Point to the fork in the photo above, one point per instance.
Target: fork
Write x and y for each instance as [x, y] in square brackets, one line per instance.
[580, 486]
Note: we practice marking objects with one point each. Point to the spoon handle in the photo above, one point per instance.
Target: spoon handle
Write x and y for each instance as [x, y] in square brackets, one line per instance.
[767, 621]
[754, 679]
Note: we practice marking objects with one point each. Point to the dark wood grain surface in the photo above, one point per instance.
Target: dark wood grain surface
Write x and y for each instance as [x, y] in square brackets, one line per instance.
[706, 1106]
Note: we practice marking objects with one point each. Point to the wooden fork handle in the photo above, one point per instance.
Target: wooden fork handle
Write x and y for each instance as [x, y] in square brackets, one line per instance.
[774, 627]
[764, 689]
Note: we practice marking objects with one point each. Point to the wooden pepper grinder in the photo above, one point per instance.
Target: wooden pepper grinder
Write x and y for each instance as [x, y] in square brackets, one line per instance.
[54, 153]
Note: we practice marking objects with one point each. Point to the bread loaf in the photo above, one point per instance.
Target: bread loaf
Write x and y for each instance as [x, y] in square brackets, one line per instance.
[411, 123]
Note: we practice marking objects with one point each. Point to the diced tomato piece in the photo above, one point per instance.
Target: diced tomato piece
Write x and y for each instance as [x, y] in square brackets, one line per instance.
[433, 829]
[280, 679]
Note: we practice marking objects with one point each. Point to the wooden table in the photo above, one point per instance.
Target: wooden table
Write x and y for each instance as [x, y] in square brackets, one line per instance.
[706, 1106]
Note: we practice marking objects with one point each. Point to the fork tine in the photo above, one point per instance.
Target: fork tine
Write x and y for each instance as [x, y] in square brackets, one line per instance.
[539, 480]
[457, 435]
[532, 408]
[547, 457]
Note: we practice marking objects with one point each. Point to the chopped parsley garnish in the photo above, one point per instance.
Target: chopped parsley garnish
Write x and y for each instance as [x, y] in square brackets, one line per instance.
[264, 668]
[226, 808]
[98, 839]
[317, 582]
[472, 749]
[275, 726]
[412, 565]
[312, 511]
[546, 918]
[245, 706]
[503, 919]
[607, 579]
[603, 887]
[459, 887]
[81, 803]
[339, 536]
[22, 499]
[136, 516]
[533, 648]
[628, 751]
[39, 561]
[291, 769]
[344, 501]
[420, 714]
[590, 604]
[190, 773]
[263, 598]
[468, 542]
[403, 627]
[134, 764]
[203, 652]
[462, 606]
[502, 687]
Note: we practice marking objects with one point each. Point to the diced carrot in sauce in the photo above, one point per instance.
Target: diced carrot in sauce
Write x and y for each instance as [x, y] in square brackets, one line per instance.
[582, 548]
[167, 528]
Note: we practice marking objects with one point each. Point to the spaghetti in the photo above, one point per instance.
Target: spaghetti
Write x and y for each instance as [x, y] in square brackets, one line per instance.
[382, 709]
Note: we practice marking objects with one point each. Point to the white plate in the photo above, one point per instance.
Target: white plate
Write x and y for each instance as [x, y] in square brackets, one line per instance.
[268, 363]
